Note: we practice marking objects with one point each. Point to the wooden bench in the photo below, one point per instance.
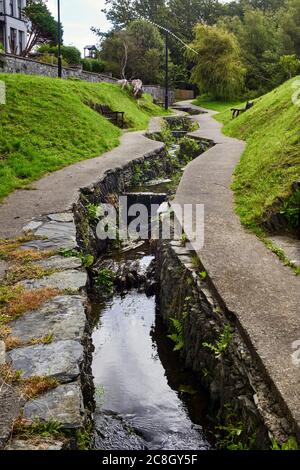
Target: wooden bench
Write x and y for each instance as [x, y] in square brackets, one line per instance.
[237, 111]
[116, 117]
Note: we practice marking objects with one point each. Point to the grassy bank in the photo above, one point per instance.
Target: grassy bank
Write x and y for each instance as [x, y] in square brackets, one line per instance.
[271, 163]
[206, 101]
[46, 124]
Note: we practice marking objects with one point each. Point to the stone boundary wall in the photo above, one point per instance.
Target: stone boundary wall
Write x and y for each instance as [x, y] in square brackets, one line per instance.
[16, 64]
[238, 388]
[184, 95]
[158, 93]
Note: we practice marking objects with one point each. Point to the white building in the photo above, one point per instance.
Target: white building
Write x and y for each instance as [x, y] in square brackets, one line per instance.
[13, 30]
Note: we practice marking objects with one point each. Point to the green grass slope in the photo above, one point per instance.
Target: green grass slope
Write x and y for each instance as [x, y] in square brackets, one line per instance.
[205, 101]
[271, 163]
[46, 125]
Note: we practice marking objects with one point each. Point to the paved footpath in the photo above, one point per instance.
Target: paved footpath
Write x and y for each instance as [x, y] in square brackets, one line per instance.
[263, 294]
[58, 191]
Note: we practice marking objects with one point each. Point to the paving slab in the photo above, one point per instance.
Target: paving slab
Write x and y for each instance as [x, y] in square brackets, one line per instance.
[10, 406]
[35, 445]
[60, 360]
[66, 280]
[64, 317]
[54, 236]
[59, 262]
[63, 405]
[254, 285]
[57, 192]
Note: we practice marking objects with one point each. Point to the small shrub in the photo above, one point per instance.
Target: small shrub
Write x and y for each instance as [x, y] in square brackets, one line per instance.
[291, 444]
[137, 176]
[25, 429]
[189, 149]
[93, 211]
[106, 280]
[88, 261]
[290, 210]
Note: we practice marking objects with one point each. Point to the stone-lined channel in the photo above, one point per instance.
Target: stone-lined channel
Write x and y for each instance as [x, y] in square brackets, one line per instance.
[145, 398]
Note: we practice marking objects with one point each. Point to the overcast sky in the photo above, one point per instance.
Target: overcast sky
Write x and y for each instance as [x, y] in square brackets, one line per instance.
[77, 17]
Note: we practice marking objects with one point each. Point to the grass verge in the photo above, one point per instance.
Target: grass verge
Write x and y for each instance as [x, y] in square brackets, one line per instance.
[47, 124]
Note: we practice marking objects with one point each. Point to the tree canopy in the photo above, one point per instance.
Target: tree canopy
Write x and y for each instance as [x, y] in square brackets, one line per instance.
[266, 31]
[218, 68]
[42, 26]
[135, 52]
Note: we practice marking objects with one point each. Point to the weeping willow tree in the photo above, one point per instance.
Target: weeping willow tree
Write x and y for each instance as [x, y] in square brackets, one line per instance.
[218, 69]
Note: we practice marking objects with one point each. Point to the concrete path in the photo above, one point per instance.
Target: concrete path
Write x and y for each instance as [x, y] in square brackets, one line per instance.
[255, 286]
[58, 191]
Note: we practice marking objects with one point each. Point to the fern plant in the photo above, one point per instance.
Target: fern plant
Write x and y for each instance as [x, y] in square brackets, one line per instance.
[178, 336]
[222, 344]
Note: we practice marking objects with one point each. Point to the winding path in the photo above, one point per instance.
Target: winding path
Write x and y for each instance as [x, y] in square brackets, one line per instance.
[58, 191]
[263, 295]
[254, 285]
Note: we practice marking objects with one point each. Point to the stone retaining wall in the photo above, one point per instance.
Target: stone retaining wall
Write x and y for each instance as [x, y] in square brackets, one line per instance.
[158, 93]
[17, 64]
[237, 386]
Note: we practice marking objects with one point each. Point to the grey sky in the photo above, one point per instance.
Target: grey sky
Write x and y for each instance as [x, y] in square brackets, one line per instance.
[77, 17]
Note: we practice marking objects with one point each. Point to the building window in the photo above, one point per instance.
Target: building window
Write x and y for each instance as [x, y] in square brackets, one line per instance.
[2, 35]
[20, 8]
[13, 41]
[11, 7]
[21, 42]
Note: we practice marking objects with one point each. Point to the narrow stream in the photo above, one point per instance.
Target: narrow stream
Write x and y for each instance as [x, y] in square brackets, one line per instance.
[145, 398]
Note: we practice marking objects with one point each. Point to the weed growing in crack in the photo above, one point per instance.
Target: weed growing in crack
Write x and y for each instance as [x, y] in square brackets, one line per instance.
[178, 335]
[106, 280]
[222, 344]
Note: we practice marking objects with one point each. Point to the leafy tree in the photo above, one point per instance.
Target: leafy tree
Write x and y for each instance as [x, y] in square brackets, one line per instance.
[122, 12]
[261, 46]
[70, 54]
[218, 69]
[42, 26]
[185, 14]
[289, 22]
[93, 65]
[290, 65]
[137, 52]
[265, 5]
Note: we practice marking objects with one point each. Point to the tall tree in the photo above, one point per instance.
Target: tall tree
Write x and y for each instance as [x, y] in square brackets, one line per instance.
[42, 26]
[218, 69]
[289, 22]
[122, 12]
[135, 52]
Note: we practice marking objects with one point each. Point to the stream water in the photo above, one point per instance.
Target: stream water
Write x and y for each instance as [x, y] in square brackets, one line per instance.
[145, 398]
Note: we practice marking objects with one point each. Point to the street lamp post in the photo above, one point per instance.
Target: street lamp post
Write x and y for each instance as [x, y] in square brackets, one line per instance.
[59, 42]
[167, 72]
[167, 34]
